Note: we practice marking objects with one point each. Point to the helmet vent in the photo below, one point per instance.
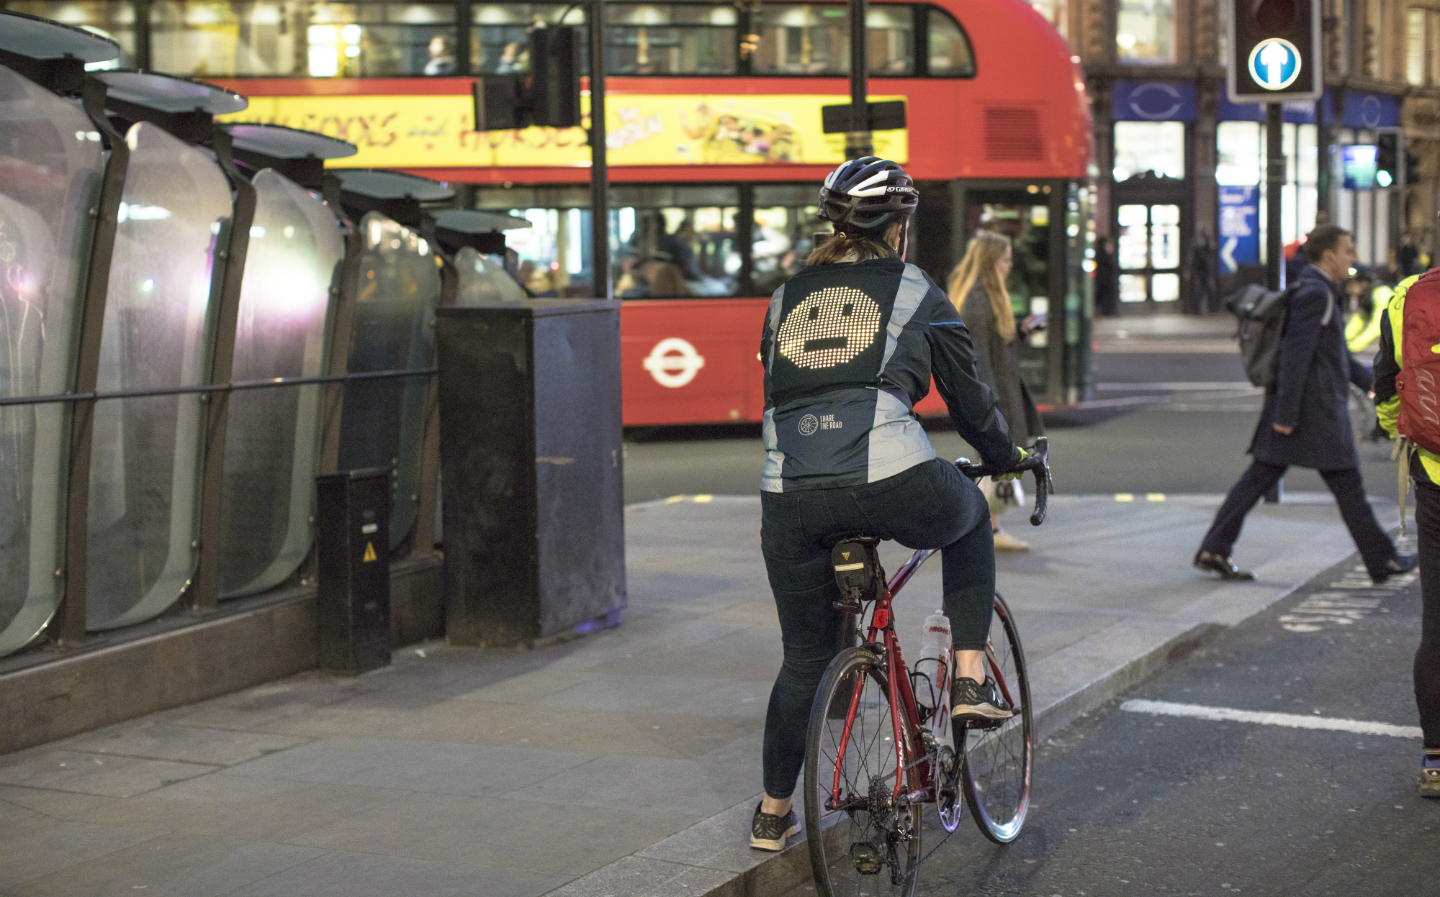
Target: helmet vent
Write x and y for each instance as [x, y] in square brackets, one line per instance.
[1013, 134]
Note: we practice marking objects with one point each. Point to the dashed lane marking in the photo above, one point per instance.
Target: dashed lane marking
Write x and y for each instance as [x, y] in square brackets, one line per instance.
[697, 499]
[1124, 496]
[1290, 720]
[1323, 609]
[1352, 597]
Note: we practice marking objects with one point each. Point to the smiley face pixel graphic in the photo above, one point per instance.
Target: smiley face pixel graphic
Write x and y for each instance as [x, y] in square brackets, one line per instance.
[829, 328]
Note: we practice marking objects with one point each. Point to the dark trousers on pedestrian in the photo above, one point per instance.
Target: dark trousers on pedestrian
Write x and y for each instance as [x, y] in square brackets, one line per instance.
[931, 505]
[1376, 549]
[1427, 656]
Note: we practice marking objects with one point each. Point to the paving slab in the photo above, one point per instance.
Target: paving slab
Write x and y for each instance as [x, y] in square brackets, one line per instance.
[626, 762]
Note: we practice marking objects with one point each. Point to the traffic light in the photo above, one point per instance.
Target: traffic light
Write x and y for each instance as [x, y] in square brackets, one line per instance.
[555, 76]
[1387, 159]
[1274, 51]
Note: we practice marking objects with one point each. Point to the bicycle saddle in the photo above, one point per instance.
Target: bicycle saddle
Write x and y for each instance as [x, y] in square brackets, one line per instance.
[856, 561]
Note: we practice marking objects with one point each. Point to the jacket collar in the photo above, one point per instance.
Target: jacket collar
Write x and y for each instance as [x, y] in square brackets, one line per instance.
[1313, 272]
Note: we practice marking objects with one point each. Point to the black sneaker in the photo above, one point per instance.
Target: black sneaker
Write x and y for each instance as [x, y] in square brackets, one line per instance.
[769, 832]
[1400, 563]
[973, 702]
[1218, 563]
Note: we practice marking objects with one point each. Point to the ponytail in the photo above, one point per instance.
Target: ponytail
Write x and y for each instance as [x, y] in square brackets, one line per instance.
[845, 246]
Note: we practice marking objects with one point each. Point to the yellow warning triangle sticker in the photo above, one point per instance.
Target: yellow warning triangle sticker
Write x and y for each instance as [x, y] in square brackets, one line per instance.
[845, 554]
[370, 553]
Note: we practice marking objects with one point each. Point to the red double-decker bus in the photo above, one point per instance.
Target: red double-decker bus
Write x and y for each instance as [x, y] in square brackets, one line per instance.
[716, 153]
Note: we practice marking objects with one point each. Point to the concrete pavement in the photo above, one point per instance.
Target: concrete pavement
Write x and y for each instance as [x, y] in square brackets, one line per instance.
[626, 762]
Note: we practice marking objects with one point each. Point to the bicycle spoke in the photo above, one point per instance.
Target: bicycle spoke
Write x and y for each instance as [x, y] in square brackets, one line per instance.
[997, 761]
[859, 847]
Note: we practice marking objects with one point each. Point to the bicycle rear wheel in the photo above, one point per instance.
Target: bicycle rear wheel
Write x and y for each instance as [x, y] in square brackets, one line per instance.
[997, 761]
[863, 843]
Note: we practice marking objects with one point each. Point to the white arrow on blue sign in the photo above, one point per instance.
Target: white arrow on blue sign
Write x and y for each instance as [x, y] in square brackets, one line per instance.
[1275, 63]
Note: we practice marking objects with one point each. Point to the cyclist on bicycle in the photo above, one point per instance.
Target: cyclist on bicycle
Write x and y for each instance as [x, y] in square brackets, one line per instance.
[849, 346]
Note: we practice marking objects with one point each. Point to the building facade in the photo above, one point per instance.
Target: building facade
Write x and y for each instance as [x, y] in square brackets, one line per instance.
[1180, 183]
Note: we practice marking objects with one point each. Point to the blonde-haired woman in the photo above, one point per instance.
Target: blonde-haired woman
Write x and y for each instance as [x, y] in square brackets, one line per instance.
[977, 290]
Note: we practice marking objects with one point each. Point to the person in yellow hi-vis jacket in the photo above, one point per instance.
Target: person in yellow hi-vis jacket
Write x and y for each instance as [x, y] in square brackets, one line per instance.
[1424, 468]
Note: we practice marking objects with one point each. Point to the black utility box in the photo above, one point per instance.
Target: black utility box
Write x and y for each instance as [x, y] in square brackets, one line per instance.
[531, 469]
[354, 601]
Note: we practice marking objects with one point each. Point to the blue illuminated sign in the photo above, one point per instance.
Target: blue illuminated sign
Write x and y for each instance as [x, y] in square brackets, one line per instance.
[1239, 227]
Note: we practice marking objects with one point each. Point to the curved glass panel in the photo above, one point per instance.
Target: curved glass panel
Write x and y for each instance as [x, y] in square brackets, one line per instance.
[52, 165]
[383, 421]
[145, 466]
[272, 443]
[482, 281]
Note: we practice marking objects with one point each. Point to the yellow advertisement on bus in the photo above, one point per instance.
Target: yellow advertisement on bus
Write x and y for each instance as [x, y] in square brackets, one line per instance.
[641, 129]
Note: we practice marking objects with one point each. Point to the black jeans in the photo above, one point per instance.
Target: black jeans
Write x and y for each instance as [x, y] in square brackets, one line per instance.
[1375, 547]
[1427, 656]
[931, 505]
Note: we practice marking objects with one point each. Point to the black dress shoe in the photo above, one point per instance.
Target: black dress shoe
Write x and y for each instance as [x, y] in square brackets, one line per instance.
[1215, 563]
[1400, 563]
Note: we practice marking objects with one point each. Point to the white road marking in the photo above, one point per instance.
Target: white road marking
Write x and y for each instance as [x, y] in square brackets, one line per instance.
[1292, 720]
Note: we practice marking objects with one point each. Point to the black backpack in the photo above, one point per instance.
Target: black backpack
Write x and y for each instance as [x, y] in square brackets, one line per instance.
[1260, 314]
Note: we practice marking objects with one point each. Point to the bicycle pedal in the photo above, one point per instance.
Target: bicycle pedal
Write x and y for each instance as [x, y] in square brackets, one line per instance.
[858, 571]
[866, 859]
[985, 725]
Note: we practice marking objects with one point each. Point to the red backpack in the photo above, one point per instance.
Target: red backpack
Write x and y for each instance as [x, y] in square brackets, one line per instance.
[1419, 381]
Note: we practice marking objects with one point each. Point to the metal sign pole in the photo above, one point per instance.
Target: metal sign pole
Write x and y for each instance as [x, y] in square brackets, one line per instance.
[857, 141]
[1274, 243]
[1274, 191]
[599, 173]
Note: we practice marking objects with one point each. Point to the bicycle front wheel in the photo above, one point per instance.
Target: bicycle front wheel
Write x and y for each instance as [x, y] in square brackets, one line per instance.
[997, 761]
[863, 841]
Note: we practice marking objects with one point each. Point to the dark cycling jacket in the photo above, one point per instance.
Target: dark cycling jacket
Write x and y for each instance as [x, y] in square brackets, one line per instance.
[848, 350]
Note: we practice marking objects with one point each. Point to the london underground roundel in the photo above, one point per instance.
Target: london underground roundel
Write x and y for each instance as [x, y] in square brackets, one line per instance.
[1275, 63]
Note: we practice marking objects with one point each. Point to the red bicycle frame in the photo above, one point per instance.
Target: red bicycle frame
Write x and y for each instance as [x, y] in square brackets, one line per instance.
[881, 631]
[901, 695]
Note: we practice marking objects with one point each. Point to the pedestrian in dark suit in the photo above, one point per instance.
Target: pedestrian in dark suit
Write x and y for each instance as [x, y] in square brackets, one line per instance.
[1107, 280]
[1305, 420]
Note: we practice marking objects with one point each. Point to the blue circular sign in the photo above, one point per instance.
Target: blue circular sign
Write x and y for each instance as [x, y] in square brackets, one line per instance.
[1275, 63]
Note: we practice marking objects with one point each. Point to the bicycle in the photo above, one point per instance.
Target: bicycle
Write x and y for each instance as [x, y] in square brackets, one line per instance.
[875, 755]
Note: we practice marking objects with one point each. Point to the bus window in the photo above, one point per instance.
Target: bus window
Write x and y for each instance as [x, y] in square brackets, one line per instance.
[1024, 218]
[890, 40]
[665, 242]
[674, 242]
[554, 251]
[950, 53]
[814, 39]
[299, 39]
[666, 39]
[783, 233]
[500, 37]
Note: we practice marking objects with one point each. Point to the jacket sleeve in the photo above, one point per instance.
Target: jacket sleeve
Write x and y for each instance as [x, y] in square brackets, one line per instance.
[1387, 397]
[1360, 375]
[767, 336]
[952, 363]
[979, 321]
[1303, 320]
